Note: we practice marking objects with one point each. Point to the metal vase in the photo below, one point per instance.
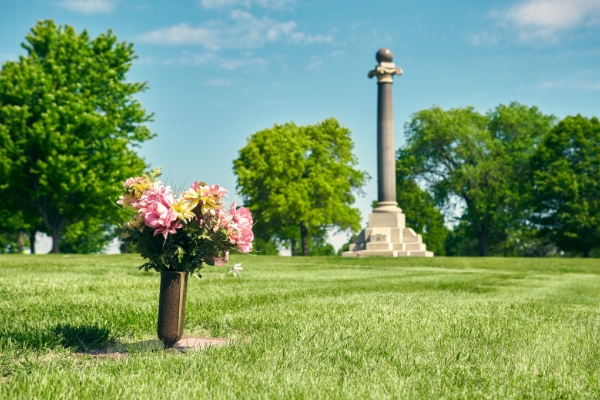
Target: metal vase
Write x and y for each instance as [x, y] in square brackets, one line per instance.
[171, 306]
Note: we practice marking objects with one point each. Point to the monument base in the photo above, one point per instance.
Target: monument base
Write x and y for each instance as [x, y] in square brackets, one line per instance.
[387, 235]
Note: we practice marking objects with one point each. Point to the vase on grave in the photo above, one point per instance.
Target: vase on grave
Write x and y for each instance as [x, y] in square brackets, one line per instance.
[171, 306]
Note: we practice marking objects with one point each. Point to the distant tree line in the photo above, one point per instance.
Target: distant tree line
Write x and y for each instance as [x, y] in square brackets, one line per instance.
[512, 182]
[69, 124]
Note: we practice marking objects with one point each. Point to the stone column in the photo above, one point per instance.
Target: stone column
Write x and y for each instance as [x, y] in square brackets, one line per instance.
[387, 233]
[386, 151]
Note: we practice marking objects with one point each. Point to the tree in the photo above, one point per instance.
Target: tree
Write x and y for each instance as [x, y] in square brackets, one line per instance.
[346, 246]
[418, 206]
[462, 241]
[317, 242]
[87, 237]
[13, 235]
[68, 126]
[300, 179]
[480, 159]
[519, 130]
[567, 184]
[264, 247]
[319, 247]
[13, 238]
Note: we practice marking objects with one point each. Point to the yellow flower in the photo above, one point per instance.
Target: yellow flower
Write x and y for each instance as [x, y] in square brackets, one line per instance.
[142, 186]
[185, 208]
[190, 195]
[136, 223]
[210, 204]
[127, 197]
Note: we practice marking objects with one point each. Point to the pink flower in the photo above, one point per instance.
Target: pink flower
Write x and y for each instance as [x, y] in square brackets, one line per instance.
[244, 235]
[129, 200]
[156, 193]
[219, 262]
[212, 190]
[159, 214]
[167, 229]
[223, 220]
[132, 181]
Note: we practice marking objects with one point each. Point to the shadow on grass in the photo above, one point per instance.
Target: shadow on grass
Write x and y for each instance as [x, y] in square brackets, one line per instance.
[76, 337]
[83, 337]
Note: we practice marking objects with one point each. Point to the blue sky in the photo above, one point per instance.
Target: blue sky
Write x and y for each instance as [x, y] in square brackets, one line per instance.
[220, 70]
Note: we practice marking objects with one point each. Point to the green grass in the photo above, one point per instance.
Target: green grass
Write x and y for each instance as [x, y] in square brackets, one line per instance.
[307, 328]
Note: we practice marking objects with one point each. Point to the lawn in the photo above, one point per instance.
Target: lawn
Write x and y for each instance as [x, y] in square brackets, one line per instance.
[321, 327]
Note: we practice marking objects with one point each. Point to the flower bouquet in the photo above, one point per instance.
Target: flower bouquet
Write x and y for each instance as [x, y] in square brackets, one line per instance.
[177, 235]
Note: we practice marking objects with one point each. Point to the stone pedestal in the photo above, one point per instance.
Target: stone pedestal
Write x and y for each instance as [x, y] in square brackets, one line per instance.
[386, 234]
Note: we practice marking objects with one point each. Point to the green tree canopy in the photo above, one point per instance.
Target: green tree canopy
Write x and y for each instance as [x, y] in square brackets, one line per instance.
[482, 160]
[567, 184]
[68, 124]
[88, 236]
[300, 179]
[418, 205]
[12, 232]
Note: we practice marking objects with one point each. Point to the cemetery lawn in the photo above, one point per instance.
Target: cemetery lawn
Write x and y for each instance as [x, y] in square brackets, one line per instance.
[320, 327]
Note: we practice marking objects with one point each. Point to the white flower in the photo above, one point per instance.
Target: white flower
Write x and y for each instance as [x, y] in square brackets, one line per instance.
[236, 269]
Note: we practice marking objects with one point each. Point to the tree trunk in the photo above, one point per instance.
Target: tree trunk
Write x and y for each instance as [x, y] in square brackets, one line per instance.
[32, 241]
[54, 224]
[483, 236]
[20, 242]
[293, 244]
[304, 236]
[55, 241]
[586, 253]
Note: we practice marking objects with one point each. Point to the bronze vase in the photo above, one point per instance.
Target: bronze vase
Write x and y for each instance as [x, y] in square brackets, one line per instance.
[171, 306]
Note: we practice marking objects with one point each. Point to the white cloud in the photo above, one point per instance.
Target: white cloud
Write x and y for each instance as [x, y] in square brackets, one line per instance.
[582, 85]
[88, 7]
[242, 31]
[210, 58]
[232, 64]
[219, 82]
[300, 37]
[184, 34]
[586, 80]
[315, 63]
[222, 4]
[482, 38]
[198, 59]
[544, 19]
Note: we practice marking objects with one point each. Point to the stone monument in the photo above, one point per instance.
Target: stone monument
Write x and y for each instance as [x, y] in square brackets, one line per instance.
[386, 234]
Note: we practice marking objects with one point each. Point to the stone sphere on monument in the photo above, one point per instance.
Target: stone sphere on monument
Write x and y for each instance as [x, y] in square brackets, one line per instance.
[384, 55]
